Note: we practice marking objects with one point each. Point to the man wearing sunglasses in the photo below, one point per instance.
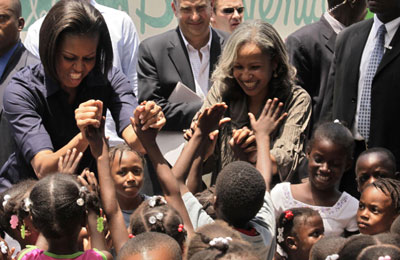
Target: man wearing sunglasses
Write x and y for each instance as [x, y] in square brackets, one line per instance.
[227, 14]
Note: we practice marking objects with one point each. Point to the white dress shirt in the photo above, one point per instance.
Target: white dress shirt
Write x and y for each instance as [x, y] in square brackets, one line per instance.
[335, 24]
[391, 28]
[125, 44]
[200, 65]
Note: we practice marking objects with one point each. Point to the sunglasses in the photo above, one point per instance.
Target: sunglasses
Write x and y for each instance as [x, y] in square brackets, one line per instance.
[230, 10]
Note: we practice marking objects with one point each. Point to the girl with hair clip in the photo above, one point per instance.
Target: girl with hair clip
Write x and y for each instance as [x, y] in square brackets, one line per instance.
[329, 154]
[379, 206]
[60, 206]
[155, 215]
[298, 229]
[14, 217]
[379, 252]
[218, 241]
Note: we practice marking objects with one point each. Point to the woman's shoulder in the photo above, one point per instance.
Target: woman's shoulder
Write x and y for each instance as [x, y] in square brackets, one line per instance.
[299, 93]
[281, 191]
[30, 77]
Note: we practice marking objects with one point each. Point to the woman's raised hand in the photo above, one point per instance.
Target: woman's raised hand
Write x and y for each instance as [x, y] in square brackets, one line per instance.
[270, 117]
[89, 113]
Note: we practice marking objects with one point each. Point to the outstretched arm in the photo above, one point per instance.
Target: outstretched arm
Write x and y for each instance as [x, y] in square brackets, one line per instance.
[188, 166]
[270, 118]
[99, 148]
[167, 180]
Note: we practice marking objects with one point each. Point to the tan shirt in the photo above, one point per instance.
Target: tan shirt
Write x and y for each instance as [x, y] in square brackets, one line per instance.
[287, 143]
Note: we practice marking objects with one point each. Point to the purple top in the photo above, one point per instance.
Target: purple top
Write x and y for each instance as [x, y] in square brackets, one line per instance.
[42, 119]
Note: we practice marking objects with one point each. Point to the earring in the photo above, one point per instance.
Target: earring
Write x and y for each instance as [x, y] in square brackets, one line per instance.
[275, 75]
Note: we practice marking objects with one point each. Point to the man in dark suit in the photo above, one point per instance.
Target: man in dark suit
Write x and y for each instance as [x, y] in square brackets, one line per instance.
[311, 47]
[352, 77]
[13, 57]
[187, 54]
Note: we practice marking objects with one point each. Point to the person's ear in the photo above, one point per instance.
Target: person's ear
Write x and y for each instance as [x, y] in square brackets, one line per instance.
[291, 243]
[21, 24]
[214, 202]
[174, 8]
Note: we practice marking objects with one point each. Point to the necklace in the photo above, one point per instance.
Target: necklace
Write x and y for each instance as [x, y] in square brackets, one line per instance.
[337, 6]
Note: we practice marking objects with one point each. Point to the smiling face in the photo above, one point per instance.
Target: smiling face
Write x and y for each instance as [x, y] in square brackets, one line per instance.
[371, 167]
[127, 173]
[253, 71]
[227, 15]
[326, 164]
[375, 212]
[193, 19]
[308, 234]
[76, 57]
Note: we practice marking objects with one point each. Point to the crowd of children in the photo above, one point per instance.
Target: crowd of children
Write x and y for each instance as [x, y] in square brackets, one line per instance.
[63, 216]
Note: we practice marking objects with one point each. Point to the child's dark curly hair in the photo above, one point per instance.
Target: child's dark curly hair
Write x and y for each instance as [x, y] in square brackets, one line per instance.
[326, 246]
[240, 191]
[59, 205]
[289, 220]
[390, 187]
[13, 203]
[379, 252]
[155, 215]
[206, 199]
[218, 241]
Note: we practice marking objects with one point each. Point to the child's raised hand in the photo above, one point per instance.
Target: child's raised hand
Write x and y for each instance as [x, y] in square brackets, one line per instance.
[143, 128]
[210, 119]
[243, 144]
[151, 115]
[69, 162]
[95, 137]
[88, 179]
[270, 117]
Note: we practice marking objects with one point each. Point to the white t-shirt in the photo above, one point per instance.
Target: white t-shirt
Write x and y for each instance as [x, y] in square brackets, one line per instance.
[336, 219]
[264, 223]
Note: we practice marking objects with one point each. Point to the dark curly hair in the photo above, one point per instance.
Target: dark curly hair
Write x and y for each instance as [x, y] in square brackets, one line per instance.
[55, 207]
[121, 148]
[390, 187]
[240, 191]
[169, 223]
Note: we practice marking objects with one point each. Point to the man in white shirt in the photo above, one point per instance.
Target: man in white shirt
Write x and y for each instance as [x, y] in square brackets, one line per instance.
[363, 90]
[187, 54]
[227, 14]
[125, 43]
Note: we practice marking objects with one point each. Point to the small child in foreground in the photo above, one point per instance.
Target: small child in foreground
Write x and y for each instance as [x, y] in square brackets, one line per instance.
[298, 230]
[150, 245]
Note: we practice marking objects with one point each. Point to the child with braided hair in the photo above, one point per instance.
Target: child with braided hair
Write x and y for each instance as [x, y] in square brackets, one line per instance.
[218, 241]
[379, 206]
[298, 229]
[13, 216]
[59, 206]
[155, 215]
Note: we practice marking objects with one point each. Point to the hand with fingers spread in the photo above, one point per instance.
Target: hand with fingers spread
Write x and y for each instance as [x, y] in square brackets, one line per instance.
[270, 118]
[88, 179]
[208, 123]
[89, 113]
[69, 162]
